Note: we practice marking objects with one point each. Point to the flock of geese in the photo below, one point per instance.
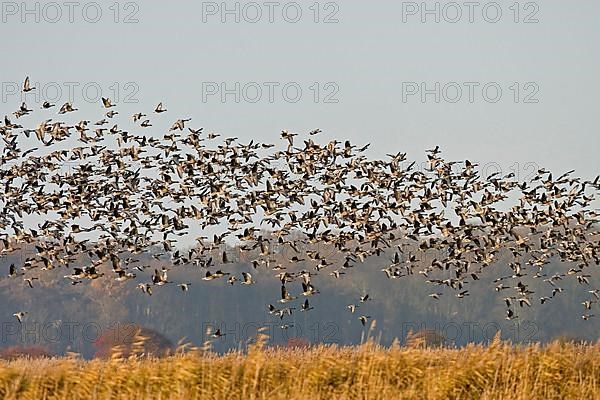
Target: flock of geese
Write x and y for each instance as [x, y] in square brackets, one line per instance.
[130, 190]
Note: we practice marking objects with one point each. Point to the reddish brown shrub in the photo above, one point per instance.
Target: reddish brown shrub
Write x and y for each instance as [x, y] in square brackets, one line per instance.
[14, 352]
[298, 342]
[425, 338]
[131, 339]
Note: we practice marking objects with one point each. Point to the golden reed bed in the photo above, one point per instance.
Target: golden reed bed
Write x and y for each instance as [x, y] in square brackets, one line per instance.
[497, 371]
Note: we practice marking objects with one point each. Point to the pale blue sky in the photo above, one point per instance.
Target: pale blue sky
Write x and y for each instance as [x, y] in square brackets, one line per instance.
[174, 51]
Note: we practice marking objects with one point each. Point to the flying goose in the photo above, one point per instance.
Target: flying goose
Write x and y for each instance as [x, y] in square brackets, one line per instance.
[107, 103]
[306, 306]
[159, 108]
[26, 86]
[20, 316]
[247, 279]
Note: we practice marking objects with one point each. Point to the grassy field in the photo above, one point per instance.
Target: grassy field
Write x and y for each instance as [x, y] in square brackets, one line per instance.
[496, 371]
